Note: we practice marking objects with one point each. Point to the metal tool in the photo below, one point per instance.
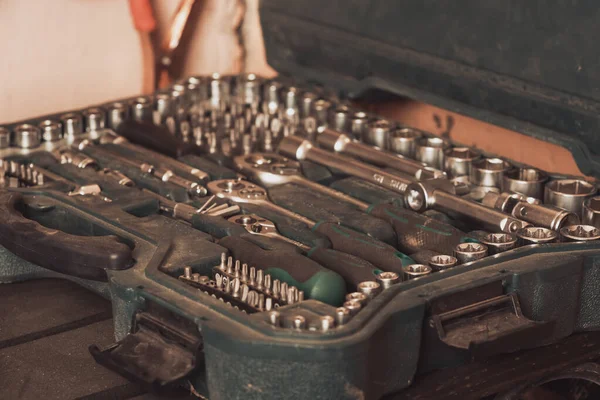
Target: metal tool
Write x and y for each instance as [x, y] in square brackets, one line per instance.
[442, 262]
[263, 227]
[467, 252]
[569, 194]
[369, 288]
[489, 172]
[499, 242]
[51, 130]
[421, 196]
[528, 209]
[403, 141]
[156, 157]
[117, 112]
[358, 296]
[527, 181]
[142, 109]
[193, 188]
[415, 271]
[458, 161]
[300, 149]
[27, 136]
[321, 111]
[381, 255]
[377, 134]
[388, 279]
[536, 235]
[4, 138]
[431, 151]
[343, 144]
[94, 119]
[359, 124]
[72, 124]
[579, 233]
[341, 119]
[342, 315]
[591, 211]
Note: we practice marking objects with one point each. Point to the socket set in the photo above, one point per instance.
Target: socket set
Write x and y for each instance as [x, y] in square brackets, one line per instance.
[283, 209]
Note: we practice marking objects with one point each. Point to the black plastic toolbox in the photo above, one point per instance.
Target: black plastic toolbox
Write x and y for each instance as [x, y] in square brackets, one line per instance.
[525, 67]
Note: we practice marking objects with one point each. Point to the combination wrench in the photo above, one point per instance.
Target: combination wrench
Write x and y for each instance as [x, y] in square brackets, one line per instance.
[343, 239]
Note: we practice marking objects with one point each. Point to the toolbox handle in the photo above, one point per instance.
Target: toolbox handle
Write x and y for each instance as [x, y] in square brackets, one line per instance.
[83, 256]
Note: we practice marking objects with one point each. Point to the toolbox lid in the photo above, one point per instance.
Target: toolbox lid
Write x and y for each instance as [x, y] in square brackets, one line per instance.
[532, 67]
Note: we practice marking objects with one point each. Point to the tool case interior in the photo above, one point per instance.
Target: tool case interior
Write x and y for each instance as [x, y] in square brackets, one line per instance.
[265, 239]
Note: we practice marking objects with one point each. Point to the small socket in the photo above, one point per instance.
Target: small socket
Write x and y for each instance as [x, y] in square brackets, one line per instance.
[27, 136]
[299, 322]
[569, 194]
[467, 252]
[527, 181]
[4, 138]
[326, 322]
[591, 211]
[341, 119]
[499, 242]
[275, 318]
[342, 315]
[403, 141]
[142, 109]
[359, 124]
[51, 130]
[458, 161]
[579, 233]
[431, 151]
[117, 112]
[442, 262]
[414, 271]
[353, 306]
[387, 279]
[369, 288]
[536, 235]
[489, 172]
[357, 296]
[72, 124]
[95, 119]
[377, 134]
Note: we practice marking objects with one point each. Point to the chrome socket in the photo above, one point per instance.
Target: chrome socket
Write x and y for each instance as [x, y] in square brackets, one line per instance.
[117, 112]
[321, 109]
[163, 107]
[94, 119]
[536, 235]
[357, 296]
[27, 136]
[527, 181]
[341, 119]
[442, 262]
[569, 194]
[489, 172]
[431, 151]
[342, 315]
[359, 124]
[142, 109]
[4, 138]
[51, 130]
[72, 124]
[458, 161]
[591, 211]
[467, 252]
[248, 88]
[415, 271]
[353, 306]
[377, 134]
[579, 233]
[308, 102]
[499, 242]
[271, 92]
[369, 288]
[403, 141]
[387, 279]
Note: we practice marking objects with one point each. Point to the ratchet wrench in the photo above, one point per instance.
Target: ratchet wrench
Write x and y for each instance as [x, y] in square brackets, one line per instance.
[269, 169]
[342, 238]
[422, 195]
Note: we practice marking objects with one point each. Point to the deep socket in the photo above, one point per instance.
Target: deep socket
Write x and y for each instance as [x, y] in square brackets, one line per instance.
[72, 124]
[377, 133]
[431, 151]
[403, 141]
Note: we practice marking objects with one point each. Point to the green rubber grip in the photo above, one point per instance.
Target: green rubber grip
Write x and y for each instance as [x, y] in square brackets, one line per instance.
[289, 266]
[353, 269]
[381, 255]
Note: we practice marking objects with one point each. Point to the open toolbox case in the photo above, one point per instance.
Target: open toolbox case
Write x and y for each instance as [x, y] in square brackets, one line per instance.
[520, 66]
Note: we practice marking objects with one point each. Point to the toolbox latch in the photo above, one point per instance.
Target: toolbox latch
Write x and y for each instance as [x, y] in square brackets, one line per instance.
[490, 326]
[161, 349]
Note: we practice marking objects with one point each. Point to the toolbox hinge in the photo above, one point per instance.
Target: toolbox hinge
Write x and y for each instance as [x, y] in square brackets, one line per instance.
[490, 326]
[161, 349]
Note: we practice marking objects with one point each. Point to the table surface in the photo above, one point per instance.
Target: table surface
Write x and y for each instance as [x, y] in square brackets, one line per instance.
[45, 330]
